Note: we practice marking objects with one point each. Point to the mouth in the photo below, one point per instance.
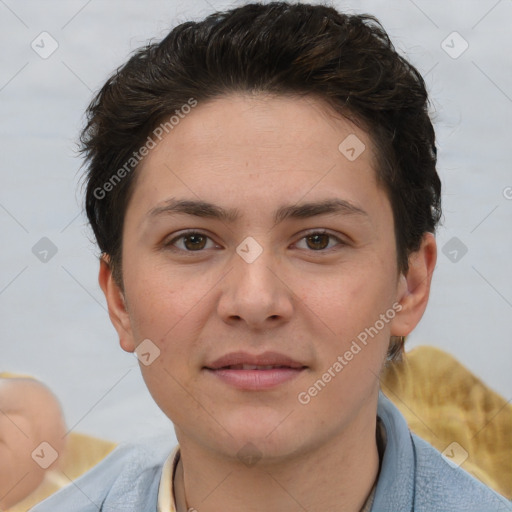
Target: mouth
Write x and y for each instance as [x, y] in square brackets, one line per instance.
[246, 361]
[251, 367]
[255, 372]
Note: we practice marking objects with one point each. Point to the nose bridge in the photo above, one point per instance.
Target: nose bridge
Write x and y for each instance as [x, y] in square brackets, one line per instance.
[253, 291]
[254, 270]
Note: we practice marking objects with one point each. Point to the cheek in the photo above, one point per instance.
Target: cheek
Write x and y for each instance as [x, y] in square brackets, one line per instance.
[160, 299]
[352, 340]
[349, 301]
[165, 308]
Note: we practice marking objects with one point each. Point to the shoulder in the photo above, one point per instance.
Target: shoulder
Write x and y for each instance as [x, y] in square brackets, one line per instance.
[127, 480]
[442, 486]
[415, 476]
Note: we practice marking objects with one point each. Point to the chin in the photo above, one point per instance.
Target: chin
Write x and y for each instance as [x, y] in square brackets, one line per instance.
[268, 432]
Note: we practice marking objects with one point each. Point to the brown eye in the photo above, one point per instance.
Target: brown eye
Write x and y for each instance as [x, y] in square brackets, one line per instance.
[318, 241]
[194, 241]
[191, 241]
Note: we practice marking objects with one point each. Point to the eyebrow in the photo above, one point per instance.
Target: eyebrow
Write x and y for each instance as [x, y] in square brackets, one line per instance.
[298, 211]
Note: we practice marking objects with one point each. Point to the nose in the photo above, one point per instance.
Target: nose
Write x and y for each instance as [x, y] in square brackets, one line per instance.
[256, 292]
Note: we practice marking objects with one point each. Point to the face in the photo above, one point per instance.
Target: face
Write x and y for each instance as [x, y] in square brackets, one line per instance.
[249, 300]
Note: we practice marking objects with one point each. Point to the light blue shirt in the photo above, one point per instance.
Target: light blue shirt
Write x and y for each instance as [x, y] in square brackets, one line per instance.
[414, 477]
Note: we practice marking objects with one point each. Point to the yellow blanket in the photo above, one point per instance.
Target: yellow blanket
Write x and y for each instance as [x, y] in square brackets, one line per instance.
[442, 401]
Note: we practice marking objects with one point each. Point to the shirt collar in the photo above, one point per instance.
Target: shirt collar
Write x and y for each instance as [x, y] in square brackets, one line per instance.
[396, 483]
[166, 501]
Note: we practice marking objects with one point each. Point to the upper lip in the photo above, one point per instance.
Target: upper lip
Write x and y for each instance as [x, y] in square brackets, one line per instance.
[265, 359]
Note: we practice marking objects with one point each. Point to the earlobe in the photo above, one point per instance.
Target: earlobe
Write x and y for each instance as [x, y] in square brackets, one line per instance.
[414, 288]
[116, 302]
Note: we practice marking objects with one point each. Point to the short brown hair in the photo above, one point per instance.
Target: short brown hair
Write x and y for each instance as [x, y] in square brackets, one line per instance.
[279, 48]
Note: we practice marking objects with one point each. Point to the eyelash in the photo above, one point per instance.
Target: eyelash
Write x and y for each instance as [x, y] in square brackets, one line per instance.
[169, 245]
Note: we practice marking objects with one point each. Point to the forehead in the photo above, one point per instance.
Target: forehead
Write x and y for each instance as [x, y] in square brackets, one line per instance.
[242, 150]
[263, 123]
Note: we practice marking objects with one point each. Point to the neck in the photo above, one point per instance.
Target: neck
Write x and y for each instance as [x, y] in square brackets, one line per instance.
[337, 475]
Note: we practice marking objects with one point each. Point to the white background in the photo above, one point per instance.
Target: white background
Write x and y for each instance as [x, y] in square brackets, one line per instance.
[54, 323]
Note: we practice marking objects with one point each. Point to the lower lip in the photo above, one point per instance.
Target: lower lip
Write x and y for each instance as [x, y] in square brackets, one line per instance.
[256, 379]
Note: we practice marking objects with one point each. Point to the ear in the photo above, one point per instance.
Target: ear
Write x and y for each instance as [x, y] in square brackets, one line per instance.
[116, 302]
[414, 288]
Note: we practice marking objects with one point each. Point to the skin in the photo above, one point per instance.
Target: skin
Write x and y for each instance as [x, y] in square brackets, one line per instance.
[29, 415]
[304, 299]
